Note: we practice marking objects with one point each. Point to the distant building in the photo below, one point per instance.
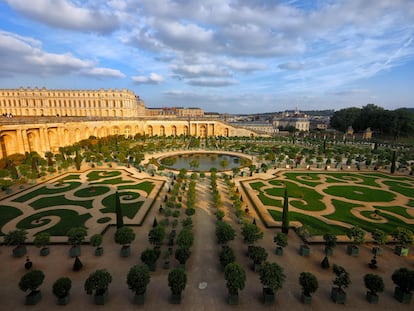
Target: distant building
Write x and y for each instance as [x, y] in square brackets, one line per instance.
[180, 112]
[297, 120]
[259, 127]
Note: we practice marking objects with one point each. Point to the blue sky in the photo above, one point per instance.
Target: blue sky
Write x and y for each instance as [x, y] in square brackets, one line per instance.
[244, 56]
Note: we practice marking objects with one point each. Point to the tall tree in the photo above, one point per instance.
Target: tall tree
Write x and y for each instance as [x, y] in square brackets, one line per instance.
[393, 162]
[118, 211]
[285, 215]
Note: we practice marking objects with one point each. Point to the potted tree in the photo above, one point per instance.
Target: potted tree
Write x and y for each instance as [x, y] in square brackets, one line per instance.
[41, 240]
[182, 254]
[404, 238]
[330, 243]
[76, 236]
[124, 236]
[61, 289]
[32, 280]
[304, 233]
[272, 278]
[375, 284]
[224, 232]
[235, 277]
[251, 233]
[177, 280]
[404, 279]
[380, 238]
[150, 257]
[97, 283]
[309, 284]
[138, 279]
[258, 254]
[156, 235]
[357, 235]
[226, 256]
[281, 240]
[341, 281]
[17, 238]
[96, 241]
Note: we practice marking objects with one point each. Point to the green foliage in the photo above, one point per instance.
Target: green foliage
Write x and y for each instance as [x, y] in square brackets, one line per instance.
[124, 236]
[118, 211]
[15, 237]
[76, 236]
[224, 232]
[357, 235]
[272, 276]
[185, 238]
[138, 279]
[31, 280]
[235, 277]
[156, 235]
[150, 256]
[97, 282]
[281, 239]
[374, 283]
[226, 256]
[182, 254]
[285, 214]
[251, 233]
[257, 253]
[42, 239]
[403, 236]
[309, 283]
[177, 280]
[342, 279]
[379, 237]
[404, 278]
[96, 240]
[61, 287]
[330, 240]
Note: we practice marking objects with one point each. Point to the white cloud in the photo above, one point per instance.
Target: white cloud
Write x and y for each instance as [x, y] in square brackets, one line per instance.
[153, 78]
[291, 66]
[24, 55]
[66, 14]
[212, 82]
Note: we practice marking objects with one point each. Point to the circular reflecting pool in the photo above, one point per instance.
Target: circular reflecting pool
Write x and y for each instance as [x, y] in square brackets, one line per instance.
[202, 161]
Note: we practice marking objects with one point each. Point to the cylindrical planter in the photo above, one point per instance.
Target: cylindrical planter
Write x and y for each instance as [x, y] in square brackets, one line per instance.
[279, 251]
[305, 298]
[125, 251]
[33, 297]
[328, 251]
[233, 299]
[401, 251]
[268, 296]
[376, 251]
[74, 251]
[44, 251]
[19, 251]
[101, 299]
[353, 250]
[338, 296]
[304, 250]
[402, 296]
[372, 298]
[62, 301]
[99, 251]
[139, 299]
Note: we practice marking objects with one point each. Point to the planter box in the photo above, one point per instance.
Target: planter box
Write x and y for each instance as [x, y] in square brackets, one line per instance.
[377, 251]
[268, 296]
[125, 251]
[279, 251]
[101, 299]
[372, 298]
[401, 251]
[175, 299]
[338, 296]
[19, 251]
[139, 299]
[233, 299]
[62, 301]
[353, 250]
[99, 251]
[74, 251]
[33, 298]
[304, 250]
[44, 251]
[305, 299]
[328, 251]
[402, 296]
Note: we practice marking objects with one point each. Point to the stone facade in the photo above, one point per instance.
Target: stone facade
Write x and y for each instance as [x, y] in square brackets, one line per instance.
[43, 120]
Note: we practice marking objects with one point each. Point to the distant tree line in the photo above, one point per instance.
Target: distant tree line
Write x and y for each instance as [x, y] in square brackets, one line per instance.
[396, 123]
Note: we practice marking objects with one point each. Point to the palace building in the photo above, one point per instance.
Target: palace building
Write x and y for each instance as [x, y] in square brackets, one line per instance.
[43, 120]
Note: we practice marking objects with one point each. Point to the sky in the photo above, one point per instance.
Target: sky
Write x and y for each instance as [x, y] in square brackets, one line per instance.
[227, 56]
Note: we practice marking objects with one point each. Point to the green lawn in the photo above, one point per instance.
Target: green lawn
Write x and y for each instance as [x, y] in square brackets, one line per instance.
[404, 188]
[97, 175]
[47, 191]
[128, 209]
[146, 186]
[59, 200]
[91, 191]
[358, 193]
[7, 213]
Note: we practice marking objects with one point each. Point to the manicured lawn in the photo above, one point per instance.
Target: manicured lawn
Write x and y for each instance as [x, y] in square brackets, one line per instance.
[404, 188]
[7, 213]
[146, 186]
[399, 210]
[97, 175]
[68, 219]
[358, 193]
[47, 191]
[113, 181]
[91, 191]
[128, 209]
[59, 200]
